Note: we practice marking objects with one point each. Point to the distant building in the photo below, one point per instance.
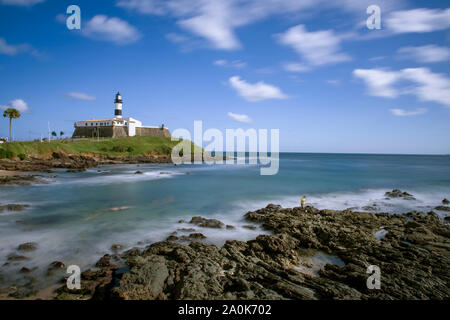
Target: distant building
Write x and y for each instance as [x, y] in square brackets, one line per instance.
[2, 140]
[116, 127]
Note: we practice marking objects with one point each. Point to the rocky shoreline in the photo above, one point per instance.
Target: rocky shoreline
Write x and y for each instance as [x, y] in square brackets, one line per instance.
[411, 250]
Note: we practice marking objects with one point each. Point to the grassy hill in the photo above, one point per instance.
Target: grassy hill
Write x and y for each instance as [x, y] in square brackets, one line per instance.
[128, 146]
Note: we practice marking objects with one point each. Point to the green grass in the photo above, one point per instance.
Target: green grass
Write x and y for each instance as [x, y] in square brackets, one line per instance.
[128, 146]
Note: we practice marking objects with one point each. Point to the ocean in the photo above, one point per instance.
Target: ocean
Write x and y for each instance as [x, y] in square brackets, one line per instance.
[72, 219]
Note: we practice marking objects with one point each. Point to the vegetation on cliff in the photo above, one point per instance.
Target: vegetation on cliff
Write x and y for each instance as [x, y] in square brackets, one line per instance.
[129, 146]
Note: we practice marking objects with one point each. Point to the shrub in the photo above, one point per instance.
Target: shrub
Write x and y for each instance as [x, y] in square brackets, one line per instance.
[22, 156]
[104, 149]
[130, 149]
[119, 149]
[6, 154]
[163, 150]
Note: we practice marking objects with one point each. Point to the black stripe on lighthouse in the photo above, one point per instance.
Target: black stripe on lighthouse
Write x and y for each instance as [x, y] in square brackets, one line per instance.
[117, 112]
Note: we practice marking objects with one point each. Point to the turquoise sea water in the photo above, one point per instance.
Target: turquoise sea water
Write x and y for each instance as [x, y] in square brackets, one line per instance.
[71, 221]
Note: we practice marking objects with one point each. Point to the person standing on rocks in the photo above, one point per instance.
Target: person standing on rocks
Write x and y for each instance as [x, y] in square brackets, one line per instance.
[302, 201]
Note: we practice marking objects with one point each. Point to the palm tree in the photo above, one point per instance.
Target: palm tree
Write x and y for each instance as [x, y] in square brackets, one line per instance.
[11, 113]
[61, 134]
[54, 134]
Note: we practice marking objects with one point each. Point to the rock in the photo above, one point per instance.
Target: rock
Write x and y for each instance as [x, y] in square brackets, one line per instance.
[15, 257]
[28, 246]
[447, 218]
[230, 227]
[13, 207]
[24, 270]
[206, 223]
[181, 221]
[396, 193]
[442, 208]
[105, 262]
[338, 245]
[55, 265]
[197, 236]
[138, 172]
[186, 229]
[250, 227]
[116, 247]
[445, 201]
[172, 238]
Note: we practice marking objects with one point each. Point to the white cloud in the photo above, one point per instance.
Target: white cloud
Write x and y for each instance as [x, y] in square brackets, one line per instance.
[80, 96]
[426, 54]
[240, 117]
[13, 50]
[216, 21]
[405, 113]
[23, 3]
[113, 29]
[295, 67]
[238, 64]
[429, 86]
[316, 48]
[379, 81]
[18, 104]
[426, 85]
[257, 91]
[418, 20]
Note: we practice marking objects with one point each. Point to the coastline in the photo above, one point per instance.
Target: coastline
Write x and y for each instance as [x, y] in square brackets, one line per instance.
[413, 254]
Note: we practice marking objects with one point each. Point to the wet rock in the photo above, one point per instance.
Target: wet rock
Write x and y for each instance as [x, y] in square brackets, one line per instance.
[181, 221]
[396, 193]
[443, 208]
[15, 257]
[25, 270]
[230, 227]
[445, 201]
[28, 246]
[186, 229]
[172, 238]
[55, 266]
[197, 236]
[249, 226]
[105, 262]
[116, 247]
[206, 223]
[264, 268]
[13, 207]
[138, 172]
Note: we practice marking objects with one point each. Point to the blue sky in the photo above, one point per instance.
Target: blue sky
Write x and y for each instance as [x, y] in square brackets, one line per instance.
[309, 68]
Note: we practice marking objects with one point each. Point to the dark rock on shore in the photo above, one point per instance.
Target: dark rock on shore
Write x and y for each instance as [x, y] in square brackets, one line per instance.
[138, 172]
[207, 223]
[55, 266]
[77, 170]
[413, 257]
[13, 207]
[15, 257]
[445, 201]
[28, 246]
[396, 193]
[443, 208]
[21, 180]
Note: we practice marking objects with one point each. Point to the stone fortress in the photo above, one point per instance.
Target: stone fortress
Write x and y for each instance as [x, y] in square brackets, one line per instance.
[116, 127]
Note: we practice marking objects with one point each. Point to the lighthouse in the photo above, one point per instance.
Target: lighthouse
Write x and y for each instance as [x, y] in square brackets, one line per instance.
[118, 103]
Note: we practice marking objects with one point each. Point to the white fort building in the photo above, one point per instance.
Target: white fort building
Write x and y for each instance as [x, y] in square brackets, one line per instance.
[116, 127]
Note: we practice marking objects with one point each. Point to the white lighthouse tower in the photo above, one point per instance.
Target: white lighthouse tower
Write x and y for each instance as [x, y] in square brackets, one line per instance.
[118, 103]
